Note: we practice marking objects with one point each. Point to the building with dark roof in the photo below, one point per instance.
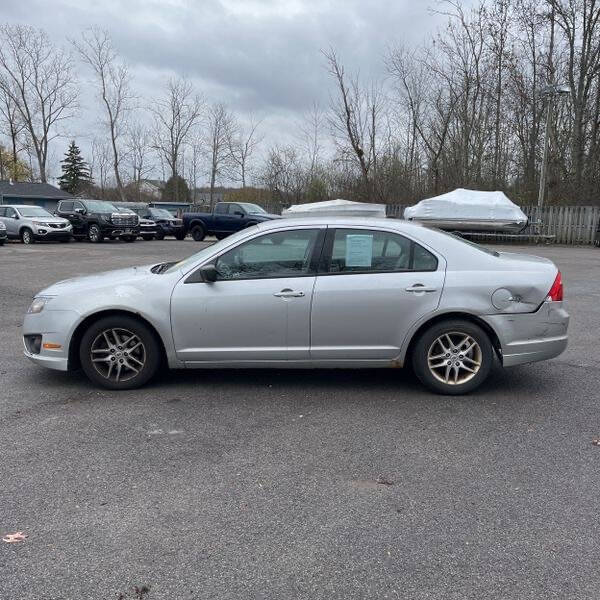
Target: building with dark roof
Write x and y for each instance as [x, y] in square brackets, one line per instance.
[40, 194]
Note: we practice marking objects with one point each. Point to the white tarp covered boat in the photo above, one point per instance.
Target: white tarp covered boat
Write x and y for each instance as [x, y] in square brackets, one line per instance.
[469, 210]
[335, 208]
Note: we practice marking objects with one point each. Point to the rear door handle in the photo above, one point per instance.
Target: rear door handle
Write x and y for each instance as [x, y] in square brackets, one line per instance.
[287, 293]
[419, 288]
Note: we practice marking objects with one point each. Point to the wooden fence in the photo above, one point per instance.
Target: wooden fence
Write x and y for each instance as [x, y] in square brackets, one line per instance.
[566, 224]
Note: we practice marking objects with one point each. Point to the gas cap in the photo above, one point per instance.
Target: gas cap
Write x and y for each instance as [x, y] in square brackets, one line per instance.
[502, 298]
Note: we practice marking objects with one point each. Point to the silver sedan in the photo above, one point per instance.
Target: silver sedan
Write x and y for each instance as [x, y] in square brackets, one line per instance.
[325, 292]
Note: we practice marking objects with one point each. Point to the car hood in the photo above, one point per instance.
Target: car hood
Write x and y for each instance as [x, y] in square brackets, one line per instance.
[59, 220]
[113, 279]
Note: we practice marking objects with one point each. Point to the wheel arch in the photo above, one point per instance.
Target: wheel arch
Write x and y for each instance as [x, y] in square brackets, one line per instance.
[77, 335]
[457, 314]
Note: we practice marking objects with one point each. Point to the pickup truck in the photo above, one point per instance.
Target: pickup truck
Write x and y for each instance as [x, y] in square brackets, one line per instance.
[226, 218]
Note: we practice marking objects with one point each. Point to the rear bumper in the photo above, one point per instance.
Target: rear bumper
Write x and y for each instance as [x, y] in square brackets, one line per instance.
[531, 337]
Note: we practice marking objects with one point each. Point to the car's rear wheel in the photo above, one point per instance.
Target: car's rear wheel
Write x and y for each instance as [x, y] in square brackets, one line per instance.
[119, 353]
[160, 235]
[27, 236]
[221, 236]
[129, 238]
[453, 357]
[180, 236]
[198, 233]
[94, 234]
[147, 238]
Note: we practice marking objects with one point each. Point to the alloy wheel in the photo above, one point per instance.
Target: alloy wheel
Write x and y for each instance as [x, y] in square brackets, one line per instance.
[454, 358]
[118, 354]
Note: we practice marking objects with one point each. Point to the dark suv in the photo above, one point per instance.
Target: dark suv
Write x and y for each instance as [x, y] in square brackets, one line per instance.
[166, 223]
[96, 219]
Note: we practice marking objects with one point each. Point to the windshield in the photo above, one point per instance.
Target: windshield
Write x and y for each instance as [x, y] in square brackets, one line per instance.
[468, 242]
[34, 211]
[161, 213]
[194, 258]
[253, 209]
[100, 206]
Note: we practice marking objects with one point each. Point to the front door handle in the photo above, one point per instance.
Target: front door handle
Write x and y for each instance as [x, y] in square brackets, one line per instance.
[287, 293]
[419, 288]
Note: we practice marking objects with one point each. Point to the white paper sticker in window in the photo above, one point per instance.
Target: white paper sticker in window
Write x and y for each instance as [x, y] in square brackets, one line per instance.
[359, 250]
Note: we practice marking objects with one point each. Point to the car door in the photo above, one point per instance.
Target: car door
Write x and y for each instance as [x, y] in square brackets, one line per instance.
[259, 307]
[373, 285]
[233, 220]
[78, 219]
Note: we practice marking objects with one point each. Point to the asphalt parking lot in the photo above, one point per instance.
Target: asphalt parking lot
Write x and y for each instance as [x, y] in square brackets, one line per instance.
[263, 484]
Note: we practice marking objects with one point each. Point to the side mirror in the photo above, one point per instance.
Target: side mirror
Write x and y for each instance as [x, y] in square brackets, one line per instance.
[209, 273]
[80, 211]
[16, 216]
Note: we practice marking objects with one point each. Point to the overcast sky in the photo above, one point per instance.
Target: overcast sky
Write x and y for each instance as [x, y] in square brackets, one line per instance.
[260, 56]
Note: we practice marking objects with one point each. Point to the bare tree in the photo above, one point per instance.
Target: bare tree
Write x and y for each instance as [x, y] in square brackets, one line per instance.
[310, 135]
[114, 83]
[355, 119]
[138, 144]
[15, 126]
[242, 144]
[39, 82]
[175, 117]
[100, 164]
[221, 128]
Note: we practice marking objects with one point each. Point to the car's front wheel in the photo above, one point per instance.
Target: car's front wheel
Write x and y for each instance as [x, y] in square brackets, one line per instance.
[27, 236]
[94, 234]
[119, 353]
[453, 357]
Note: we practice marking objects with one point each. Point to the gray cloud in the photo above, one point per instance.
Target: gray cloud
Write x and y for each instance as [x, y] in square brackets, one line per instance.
[262, 56]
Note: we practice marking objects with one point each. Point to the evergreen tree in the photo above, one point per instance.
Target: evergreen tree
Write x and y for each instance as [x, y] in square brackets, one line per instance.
[176, 190]
[76, 172]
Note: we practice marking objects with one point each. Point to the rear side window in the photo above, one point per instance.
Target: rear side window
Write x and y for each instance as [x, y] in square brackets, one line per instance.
[221, 209]
[2, 212]
[371, 251]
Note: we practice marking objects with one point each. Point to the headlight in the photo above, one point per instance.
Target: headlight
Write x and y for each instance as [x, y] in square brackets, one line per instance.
[2, 225]
[37, 306]
[39, 223]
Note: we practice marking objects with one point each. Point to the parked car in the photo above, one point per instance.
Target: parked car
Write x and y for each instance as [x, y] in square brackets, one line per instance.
[30, 223]
[96, 219]
[3, 235]
[226, 218]
[597, 237]
[148, 227]
[166, 223]
[315, 292]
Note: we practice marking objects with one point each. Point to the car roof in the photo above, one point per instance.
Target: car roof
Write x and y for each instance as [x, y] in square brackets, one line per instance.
[21, 206]
[384, 223]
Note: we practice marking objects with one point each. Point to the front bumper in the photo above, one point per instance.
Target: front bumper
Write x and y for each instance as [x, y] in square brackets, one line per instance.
[3, 236]
[55, 327]
[531, 337]
[48, 233]
[168, 229]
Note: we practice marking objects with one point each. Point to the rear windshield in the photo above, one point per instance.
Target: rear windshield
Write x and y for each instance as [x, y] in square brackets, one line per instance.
[468, 242]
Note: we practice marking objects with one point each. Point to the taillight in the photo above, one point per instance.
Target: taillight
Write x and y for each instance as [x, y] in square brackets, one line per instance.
[556, 291]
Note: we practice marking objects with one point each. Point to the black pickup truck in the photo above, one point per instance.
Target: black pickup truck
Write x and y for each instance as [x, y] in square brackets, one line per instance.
[226, 218]
[96, 219]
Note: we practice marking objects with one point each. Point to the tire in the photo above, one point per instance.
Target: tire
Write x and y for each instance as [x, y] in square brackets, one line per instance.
[221, 236]
[198, 233]
[64, 241]
[147, 238]
[94, 234]
[129, 238]
[180, 237]
[441, 378]
[145, 358]
[27, 236]
[160, 236]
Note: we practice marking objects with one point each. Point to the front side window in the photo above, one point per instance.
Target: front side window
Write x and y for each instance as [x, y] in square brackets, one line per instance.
[11, 213]
[281, 254]
[66, 206]
[370, 251]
